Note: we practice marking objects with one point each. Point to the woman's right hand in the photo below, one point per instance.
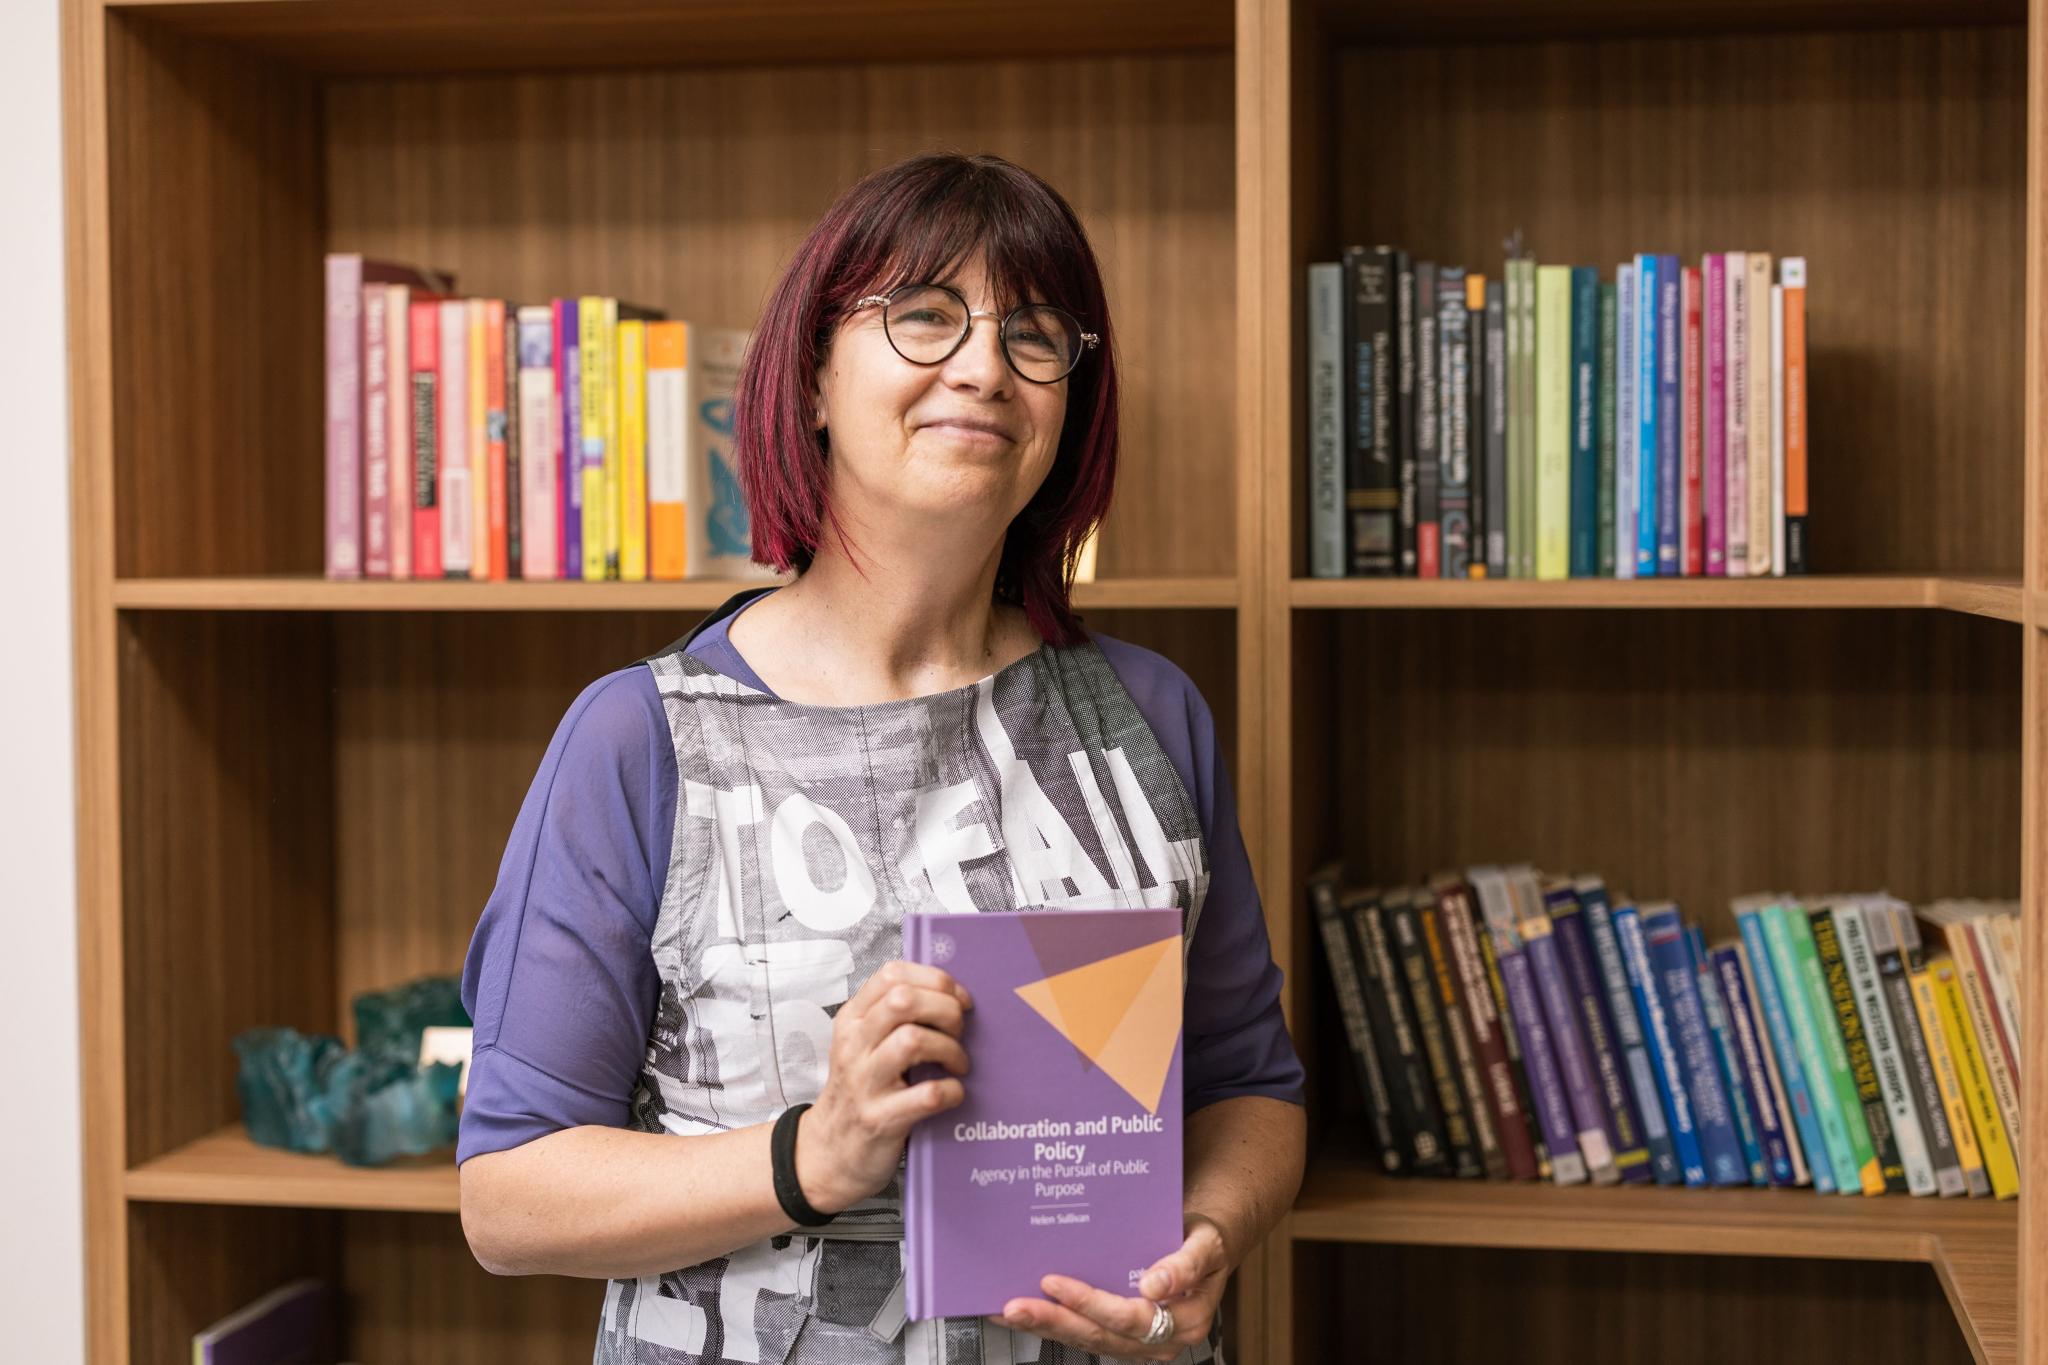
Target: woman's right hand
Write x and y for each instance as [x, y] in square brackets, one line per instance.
[850, 1141]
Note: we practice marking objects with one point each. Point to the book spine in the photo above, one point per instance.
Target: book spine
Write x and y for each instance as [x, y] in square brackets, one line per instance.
[1665, 939]
[1777, 431]
[1721, 1032]
[1827, 942]
[1663, 1048]
[1923, 1090]
[569, 353]
[1428, 423]
[1406, 413]
[1991, 963]
[1497, 387]
[590, 354]
[1736, 493]
[376, 425]
[1807, 932]
[1517, 416]
[1949, 1078]
[1649, 341]
[1670, 325]
[483, 539]
[1752, 1051]
[1344, 978]
[515, 491]
[1887, 1056]
[1627, 428]
[1553, 421]
[1714, 416]
[1372, 491]
[457, 505]
[1582, 515]
[1482, 494]
[1519, 1066]
[1623, 1123]
[1420, 980]
[1327, 429]
[398, 404]
[1589, 1116]
[1409, 1079]
[1628, 1035]
[1603, 472]
[1531, 435]
[1792, 270]
[425, 339]
[1691, 526]
[666, 507]
[1549, 1101]
[1759, 429]
[497, 451]
[633, 450]
[1450, 999]
[1806, 1007]
[344, 548]
[1511, 1117]
[2000, 1163]
[1984, 1023]
[539, 441]
[1454, 431]
[1787, 1068]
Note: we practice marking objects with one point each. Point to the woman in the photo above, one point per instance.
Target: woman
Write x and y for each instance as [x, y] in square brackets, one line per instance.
[695, 925]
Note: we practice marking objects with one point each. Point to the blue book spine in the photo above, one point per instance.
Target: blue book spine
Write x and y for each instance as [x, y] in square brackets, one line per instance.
[1756, 1082]
[1585, 466]
[1670, 429]
[1647, 333]
[1671, 959]
[1791, 1075]
[1546, 1083]
[571, 464]
[1624, 1125]
[1716, 1011]
[1589, 1118]
[1642, 984]
[1628, 1036]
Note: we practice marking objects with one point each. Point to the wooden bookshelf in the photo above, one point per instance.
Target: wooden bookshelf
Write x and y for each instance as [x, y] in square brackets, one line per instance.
[292, 790]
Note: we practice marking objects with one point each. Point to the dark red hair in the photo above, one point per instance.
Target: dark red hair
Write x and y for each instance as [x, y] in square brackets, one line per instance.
[920, 219]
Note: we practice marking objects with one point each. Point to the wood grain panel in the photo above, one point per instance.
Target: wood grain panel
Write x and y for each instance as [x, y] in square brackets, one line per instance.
[416, 1293]
[191, 1265]
[1453, 1306]
[227, 854]
[1893, 161]
[1494, 20]
[689, 191]
[214, 203]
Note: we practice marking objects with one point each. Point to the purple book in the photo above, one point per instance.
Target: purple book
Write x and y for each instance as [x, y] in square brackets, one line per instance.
[284, 1327]
[347, 273]
[1713, 411]
[1589, 1116]
[569, 360]
[1065, 1157]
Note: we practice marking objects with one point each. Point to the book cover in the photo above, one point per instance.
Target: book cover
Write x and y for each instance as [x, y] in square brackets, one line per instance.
[456, 502]
[1583, 471]
[1589, 1115]
[1496, 408]
[1663, 1046]
[1825, 921]
[1328, 431]
[1627, 428]
[1781, 1057]
[1714, 415]
[1419, 977]
[1736, 270]
[1805, 1019]
[1862, 1157]
[1792, 271]
[1628, 1031]
[1428, 423]
[719, 540]
[1887, 1052]
[1691, 527]
[1539, 1057]
[287, 1326]
[1343, 965]
[1065, 1156]
[540, 443]
[1881, 916]
[1553, 486]
[1454, 434]
[1758, 317]
[1406, 1068]
[1623, 1123]
[1649, 412]
[667, 533]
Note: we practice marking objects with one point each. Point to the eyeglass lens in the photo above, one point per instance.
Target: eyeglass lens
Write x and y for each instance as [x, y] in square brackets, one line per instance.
[926, 323]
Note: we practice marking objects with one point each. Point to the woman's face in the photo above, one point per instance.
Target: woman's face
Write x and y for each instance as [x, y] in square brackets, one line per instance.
[966, 438]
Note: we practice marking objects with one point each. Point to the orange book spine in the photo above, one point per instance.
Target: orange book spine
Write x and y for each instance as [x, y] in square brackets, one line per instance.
[1792, 274]
[667, 355]
[494, 433]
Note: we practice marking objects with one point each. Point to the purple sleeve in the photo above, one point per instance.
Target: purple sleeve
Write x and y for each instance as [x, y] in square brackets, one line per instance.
[559, 978]
[1237, 1041]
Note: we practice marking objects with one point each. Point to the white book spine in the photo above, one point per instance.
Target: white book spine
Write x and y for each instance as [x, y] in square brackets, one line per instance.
[1777, 431]
[398, 351]
[540, 441]
[1625, 433]
[452, 426]
[1759, 414]
[1736, 466]
[1326, 431]
[1885, 1053]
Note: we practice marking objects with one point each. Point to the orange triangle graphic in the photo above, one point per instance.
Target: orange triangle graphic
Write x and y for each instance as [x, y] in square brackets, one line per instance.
[1122, 1012]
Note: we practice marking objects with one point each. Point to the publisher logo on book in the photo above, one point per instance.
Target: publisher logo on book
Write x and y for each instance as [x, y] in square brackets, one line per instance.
[942, 949]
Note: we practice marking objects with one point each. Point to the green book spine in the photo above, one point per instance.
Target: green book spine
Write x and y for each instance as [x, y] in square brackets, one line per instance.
[1553, 421]
[1606, 470]
[1862, 1158]
[1777, 926]
[1834, 969]
[1518, 419]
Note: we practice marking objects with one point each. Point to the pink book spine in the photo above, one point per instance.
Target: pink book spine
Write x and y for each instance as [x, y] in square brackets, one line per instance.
[376, 426]
[1714, 417]
[1691, 529]
[1736, 485]
[398, 435]
[344, 550]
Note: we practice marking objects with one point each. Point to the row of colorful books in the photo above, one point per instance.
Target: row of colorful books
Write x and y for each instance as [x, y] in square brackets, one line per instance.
[1510, 1025]
[1551, 424]
[478, 438]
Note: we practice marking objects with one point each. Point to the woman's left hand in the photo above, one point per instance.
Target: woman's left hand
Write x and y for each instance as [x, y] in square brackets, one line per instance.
[1189, 1282]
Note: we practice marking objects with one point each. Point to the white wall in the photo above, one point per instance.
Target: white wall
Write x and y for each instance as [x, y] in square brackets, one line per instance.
[41, 1239]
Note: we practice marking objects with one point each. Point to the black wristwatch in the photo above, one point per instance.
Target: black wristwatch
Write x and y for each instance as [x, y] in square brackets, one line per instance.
[789, 1192]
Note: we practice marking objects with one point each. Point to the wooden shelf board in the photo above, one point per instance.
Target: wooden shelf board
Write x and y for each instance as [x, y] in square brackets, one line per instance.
[1496, 20]
[1982, 595]
[307, 593]
[225, 1167]
[1972, 1244]
[371, 37]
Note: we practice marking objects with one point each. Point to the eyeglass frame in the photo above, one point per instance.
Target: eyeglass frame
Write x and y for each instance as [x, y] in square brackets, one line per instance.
[1089, 340]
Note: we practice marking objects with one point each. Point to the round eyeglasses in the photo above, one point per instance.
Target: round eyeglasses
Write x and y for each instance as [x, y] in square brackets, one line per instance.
[927, 323]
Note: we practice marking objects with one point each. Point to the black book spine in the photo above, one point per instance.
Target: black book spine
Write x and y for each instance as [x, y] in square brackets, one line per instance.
[1454, 437]
[1862, 1066]
[514, 565]
[1496, 427]
[1428, 414]
[1420, 979]
[1414, 1092]
[1344, 977]
[1404, 407]
[1371, 497]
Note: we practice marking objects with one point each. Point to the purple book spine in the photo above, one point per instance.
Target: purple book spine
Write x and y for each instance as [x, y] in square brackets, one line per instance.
[1546, 1083]
[376, 432]
[344, 551]
[1589, 1116]
[1623, 1125]
[1670, 325]
[571, 347]
[1714, 414]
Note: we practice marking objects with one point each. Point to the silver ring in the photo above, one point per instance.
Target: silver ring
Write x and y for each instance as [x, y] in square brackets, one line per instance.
[1161, 1328]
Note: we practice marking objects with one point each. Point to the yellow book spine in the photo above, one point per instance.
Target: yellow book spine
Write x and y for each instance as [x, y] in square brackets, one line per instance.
[610, 413]
[479, 449]
[1553, 420]
[1946, 1079]
[633, 450]
[590, 332]
[667, 521]
[1962, 1043]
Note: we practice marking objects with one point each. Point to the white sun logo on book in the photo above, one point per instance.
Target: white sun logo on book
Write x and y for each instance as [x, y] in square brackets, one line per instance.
[942, 949]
